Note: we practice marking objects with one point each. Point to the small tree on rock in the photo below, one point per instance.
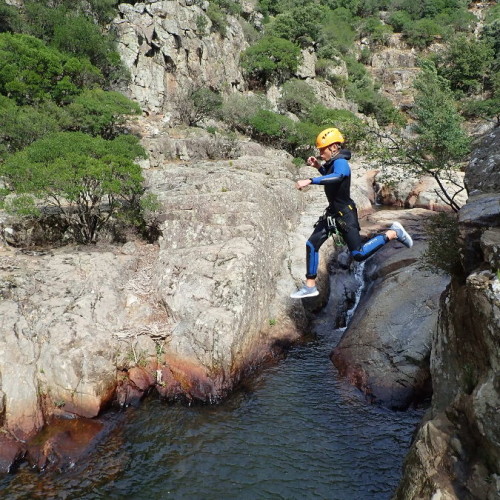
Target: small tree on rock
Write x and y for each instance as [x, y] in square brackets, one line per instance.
[437, 143]
[85, 180]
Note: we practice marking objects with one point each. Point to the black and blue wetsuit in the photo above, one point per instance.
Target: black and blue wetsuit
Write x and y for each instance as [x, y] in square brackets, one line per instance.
[336, 177]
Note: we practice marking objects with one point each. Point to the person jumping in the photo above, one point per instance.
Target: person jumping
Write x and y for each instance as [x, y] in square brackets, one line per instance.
[341, 214]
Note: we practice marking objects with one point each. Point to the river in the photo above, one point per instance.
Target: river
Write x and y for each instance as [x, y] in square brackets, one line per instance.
[295, 431]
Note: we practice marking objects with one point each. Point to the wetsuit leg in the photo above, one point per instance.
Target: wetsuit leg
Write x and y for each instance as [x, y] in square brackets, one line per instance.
[349, 228]
[317, 238]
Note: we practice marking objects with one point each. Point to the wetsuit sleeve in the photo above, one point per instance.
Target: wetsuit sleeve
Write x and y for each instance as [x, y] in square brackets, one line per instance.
[341, 169]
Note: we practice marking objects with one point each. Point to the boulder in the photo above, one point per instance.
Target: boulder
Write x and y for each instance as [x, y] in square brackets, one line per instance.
[385, 349]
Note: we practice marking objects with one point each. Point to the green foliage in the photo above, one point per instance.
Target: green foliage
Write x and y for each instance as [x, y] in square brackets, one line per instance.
[299, 25]
[420, 34]
[441, 138]
[87, 180]
[270, 58]
[22, 125]
[442, 254]
[10, 19]
[31, 72]
[78, 35]
[353, 129]
[465, 63]
[98, 112]
[362, 91]
[70, 27]
[218, 18]
[337, 34]
[399, 19]
[488, 108]
[297, 97]
[196, 104]
[377, 32]
[269, 127]
[438, 144]
[237, 110]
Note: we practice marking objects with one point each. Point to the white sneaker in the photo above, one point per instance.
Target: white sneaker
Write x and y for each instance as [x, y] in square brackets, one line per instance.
[403, 236]
[304, 292]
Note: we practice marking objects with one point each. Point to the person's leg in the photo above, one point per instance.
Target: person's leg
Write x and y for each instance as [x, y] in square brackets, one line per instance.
[317, 238]
[349, 226]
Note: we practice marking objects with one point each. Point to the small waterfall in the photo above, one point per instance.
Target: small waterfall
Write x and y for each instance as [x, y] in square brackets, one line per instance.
[358, 274]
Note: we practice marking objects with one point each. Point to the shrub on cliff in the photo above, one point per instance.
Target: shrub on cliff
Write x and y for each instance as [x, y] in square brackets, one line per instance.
[270, 59]
[31, 72]
[84, 180]
[297, 97]
[98, 112]
[70, 26]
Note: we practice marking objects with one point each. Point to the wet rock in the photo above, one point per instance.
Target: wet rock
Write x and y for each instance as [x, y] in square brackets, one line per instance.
[62, 443]
[11, 453]
[385, 349]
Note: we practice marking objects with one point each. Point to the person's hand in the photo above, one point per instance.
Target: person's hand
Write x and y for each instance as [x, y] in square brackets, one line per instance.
[313, 162]
[303, 183]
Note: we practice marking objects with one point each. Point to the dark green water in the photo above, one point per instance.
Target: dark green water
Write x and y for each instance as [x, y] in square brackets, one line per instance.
[296, 432]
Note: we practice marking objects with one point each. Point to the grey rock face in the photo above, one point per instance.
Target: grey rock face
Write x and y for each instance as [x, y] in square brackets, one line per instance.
[161, 45]
[457, 450]
[207, 302]
[483, 173]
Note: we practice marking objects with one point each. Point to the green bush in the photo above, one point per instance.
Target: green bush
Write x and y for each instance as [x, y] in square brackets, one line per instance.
[270, 58]
[31, 72]
[22, 125]
[270, 128]
[399, 20]
[297, 97]
[353, 129]
[196, 104]
[465, 64]
[87, 180]
[70, 28]
[337, 34]
[98, 112]
[377, 32]
[299, 25]
[218, 18]
[420, 34]
[10, 19]
[238, 109]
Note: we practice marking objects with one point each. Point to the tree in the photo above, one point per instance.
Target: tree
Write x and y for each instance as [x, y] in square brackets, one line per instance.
[466, 63]
[31, 72]
[100, 112]
[297, 97]
[299, 25]
[438, 143]
[22, 125]
[270, 58]
[86, 180]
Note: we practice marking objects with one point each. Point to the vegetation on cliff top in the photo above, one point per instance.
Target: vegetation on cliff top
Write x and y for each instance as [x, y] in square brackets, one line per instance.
[59, 65]
[62, 148]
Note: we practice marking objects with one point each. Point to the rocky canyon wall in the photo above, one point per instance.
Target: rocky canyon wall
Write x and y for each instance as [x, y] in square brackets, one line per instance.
[456, 453]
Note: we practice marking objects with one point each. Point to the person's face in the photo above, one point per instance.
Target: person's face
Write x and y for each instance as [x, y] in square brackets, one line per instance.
[327, 152]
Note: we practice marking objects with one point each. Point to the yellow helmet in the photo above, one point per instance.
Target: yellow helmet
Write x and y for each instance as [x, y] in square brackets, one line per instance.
[328, 137]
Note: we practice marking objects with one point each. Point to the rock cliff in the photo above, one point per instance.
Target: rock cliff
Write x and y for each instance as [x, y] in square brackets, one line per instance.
[456, 453]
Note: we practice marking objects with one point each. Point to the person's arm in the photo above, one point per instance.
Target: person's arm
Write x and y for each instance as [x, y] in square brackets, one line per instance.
[341, 170]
